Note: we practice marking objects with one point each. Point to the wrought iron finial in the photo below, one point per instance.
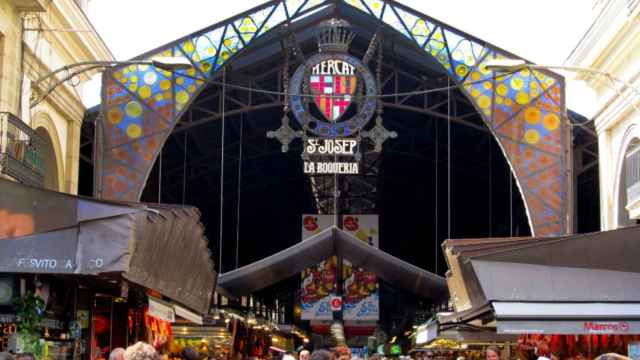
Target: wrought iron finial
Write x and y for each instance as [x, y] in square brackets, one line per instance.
[334, 35]
[379, 134]
[285, 134]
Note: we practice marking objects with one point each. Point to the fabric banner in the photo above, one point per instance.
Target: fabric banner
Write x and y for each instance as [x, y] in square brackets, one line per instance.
[318, 283]
[361, 295]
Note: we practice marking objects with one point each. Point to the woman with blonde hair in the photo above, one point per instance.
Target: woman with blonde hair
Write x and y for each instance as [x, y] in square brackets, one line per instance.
[141, 351]
[492, 353]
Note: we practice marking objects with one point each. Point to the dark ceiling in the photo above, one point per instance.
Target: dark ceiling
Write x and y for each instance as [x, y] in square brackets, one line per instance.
[437, 180]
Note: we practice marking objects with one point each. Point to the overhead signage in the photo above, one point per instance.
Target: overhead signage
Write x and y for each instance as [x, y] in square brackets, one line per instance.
[188, 315]
[361, 291]
[331, 147]
[324, 167]
[161, 310]
[331, 156]
[333, 96]
[568, 327]
[318, 282]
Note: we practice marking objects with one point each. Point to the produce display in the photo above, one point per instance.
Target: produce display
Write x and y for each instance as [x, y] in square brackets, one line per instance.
[573, 346]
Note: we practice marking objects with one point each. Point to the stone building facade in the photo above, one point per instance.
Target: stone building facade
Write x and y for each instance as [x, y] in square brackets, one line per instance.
[612, 46]
[41, 139]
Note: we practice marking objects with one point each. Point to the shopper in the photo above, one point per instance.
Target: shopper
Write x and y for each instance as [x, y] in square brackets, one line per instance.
[342, 353]
[189, 353]
[117, 354]
[304, 355]
[141, 351]
[321, 354]
[25, 356]
[612, 356]
[492, 353]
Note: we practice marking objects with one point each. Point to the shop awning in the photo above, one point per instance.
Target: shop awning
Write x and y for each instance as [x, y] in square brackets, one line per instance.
[567, 318]
[161, 247]
[295, 259]
[529, 285]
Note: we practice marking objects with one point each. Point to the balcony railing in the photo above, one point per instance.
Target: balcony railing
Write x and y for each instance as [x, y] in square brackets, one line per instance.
[21, 150]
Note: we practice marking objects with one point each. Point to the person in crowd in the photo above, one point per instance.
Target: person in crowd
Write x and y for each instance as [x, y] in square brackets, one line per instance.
[321, 355]
[189, 353]
[342, 353]
[6, 356]
[288, 356]
[492, 353]
[117, 354]
[304, 355]
[25, 356]
[141, 351]
[612, 356]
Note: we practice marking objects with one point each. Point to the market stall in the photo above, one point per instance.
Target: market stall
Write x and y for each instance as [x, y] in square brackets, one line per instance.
[450, 341]
[565, 297]
[107, 256]
[210, 341]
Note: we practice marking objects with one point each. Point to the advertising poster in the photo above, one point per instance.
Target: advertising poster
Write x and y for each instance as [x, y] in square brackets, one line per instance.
[318, 283]
[361, 295]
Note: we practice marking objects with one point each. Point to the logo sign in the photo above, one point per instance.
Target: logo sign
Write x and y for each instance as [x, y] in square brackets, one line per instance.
[333, 96]
[607, 327]
[333, 148]
[332, 79]
[336, 303]
[161, 310]
[333, 83]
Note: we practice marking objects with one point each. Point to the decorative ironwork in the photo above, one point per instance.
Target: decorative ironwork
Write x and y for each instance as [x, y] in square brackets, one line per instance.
[21, 151]
[332, 129]
[379, 134]
[334, 35]
[285, 134]
[525, 111]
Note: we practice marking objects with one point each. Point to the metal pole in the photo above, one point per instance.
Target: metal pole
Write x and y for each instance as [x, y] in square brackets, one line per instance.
[239, 193]
[160, 177]
[222, 98]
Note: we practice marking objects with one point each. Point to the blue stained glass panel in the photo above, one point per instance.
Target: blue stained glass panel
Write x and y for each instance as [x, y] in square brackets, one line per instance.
[293, 6]
[376, 6]
[465, 53]
[418, 27]
[390, 18]
[278, 17]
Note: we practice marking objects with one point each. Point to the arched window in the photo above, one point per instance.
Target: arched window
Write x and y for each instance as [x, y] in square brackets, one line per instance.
[50, 162]
[629, 194]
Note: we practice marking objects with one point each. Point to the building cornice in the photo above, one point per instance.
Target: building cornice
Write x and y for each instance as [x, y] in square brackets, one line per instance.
[64, 98]
[607, 28]
[73, 35]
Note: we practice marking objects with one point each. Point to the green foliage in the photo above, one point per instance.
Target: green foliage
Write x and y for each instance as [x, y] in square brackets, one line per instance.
[30, 313]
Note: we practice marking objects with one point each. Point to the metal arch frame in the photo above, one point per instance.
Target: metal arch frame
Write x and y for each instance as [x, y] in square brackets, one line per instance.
[443, 52]
[244, 103]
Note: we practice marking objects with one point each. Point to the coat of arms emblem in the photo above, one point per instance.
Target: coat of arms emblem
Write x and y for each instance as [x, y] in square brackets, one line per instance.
[333, 83]
[333, 95]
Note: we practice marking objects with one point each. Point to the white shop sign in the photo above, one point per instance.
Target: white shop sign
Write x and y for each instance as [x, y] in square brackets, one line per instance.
[568, 327]
[161, 310]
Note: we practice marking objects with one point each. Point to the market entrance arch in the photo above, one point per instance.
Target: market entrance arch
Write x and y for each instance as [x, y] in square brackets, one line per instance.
[524, 111]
